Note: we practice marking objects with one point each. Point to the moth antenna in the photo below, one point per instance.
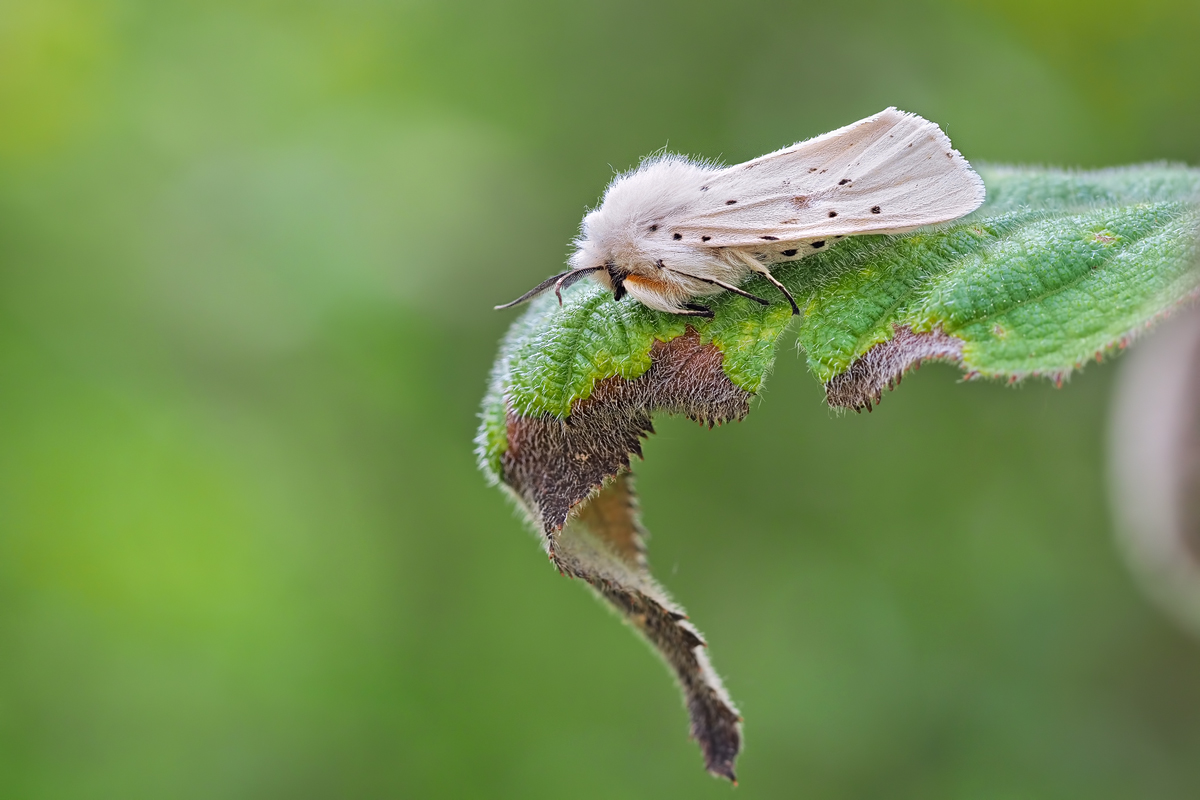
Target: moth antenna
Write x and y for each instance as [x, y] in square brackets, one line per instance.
[727, 287]
[570, 277]
[535, 291]
[755, 265]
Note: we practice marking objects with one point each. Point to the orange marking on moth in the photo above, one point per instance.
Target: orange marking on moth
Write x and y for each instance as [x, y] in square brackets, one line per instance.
[650, 284]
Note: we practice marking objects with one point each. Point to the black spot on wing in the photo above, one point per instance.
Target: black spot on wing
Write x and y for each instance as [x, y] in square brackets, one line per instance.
[653, 228]
[730, 202]
[875, 209]
[705, 238]
[677, 236]
[843, 181]
[791, 252]
[770, 238]
[817, 245]
[832, 214]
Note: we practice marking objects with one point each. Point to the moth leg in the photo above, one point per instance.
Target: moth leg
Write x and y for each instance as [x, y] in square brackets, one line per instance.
[727, 287]
[695, 310]
[756, 266]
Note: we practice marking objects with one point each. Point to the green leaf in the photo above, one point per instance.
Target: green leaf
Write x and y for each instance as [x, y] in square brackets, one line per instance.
[1054, 269]
[554, 356]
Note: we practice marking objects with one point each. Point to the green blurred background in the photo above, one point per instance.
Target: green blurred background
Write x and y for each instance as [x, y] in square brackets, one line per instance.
[248, 254]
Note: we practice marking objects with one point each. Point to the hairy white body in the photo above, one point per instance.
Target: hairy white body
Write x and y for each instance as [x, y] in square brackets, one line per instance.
[673, 230]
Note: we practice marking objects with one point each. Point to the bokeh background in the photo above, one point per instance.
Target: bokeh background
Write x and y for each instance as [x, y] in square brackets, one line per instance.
[248, 254]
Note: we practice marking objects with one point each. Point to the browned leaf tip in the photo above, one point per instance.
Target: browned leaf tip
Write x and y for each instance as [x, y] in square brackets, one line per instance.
[862, 384]
[604, 548]
[573, 478]
[554, 464]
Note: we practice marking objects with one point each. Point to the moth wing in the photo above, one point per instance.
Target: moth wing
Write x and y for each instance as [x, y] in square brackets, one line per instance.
[888, 173]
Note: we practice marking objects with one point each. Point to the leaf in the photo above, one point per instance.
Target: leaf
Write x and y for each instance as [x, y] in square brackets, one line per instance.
[603, 545]
[1055, 269]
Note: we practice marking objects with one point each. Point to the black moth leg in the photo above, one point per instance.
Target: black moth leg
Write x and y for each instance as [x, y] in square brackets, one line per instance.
[617, 277]
[775, 281]
[695, 310]
[726, 286]
[755, 265]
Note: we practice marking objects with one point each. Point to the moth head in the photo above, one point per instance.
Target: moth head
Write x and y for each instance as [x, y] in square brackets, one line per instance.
[614, 278]
[592, 256]
[608, 275]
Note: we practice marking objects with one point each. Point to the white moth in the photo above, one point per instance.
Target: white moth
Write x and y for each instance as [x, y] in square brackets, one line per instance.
[673, 229]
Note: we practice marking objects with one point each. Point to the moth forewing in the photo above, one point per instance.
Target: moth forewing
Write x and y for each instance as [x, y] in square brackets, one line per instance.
[889, 173]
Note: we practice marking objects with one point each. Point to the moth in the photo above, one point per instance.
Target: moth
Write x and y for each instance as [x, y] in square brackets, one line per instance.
[674, 230]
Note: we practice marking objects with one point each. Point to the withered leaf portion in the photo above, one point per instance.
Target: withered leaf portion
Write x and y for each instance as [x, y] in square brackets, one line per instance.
[862, 384]
[603, 546]
[553, 464]
[572, 477]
